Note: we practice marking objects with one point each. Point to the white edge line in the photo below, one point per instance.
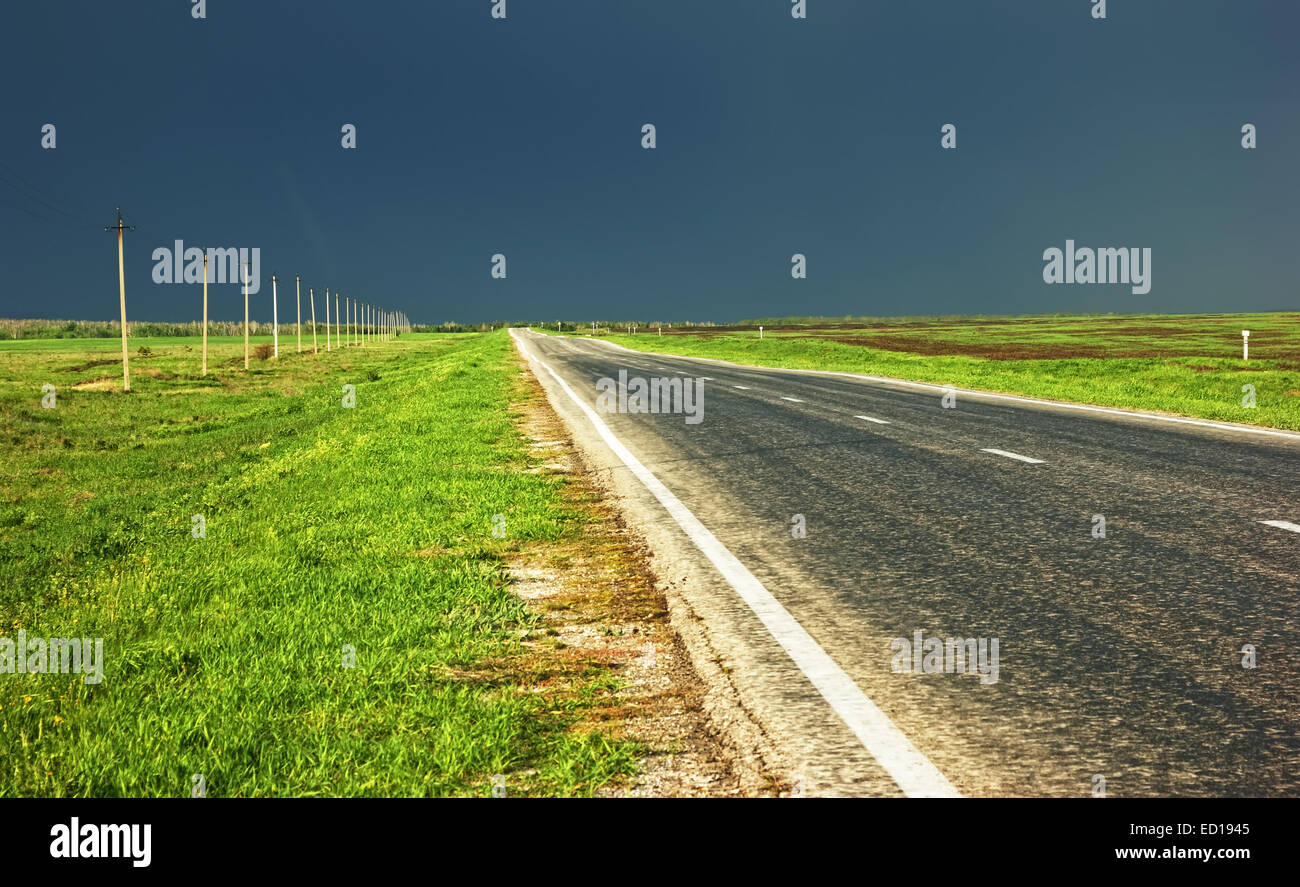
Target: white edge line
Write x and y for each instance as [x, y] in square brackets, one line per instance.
[872, 419]
[914, 773]
[1011, 455]
[792, 399]
[1282, 525]
[992, 395]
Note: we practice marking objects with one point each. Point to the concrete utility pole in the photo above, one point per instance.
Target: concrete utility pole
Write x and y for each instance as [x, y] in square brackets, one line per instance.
[245, 315]
[205, 312]
[297, 288]
[275, 318]
[311, 294]
[121, 291]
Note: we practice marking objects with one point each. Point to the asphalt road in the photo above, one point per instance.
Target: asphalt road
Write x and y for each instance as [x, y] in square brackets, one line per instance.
[1119, 658]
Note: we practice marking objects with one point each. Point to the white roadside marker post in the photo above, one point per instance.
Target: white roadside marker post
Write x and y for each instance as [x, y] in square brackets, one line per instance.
[760, 332]
[1245, 345]
[297, 288]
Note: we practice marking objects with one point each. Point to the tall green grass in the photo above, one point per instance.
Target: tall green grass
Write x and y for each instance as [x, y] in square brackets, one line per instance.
[1195, 367]
[326, 526]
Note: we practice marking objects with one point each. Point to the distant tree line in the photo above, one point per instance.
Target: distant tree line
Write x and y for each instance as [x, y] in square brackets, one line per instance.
[111, 329]
[36, 328]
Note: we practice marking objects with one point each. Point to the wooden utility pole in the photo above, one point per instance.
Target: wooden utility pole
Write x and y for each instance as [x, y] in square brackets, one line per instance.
[245, 315]
[297, 288]
[327, 318]
[311, 294]
[338, 343]
[121, 291]
[205, 312]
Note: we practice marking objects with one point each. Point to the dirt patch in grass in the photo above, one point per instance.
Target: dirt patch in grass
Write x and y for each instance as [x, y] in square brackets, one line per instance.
[1000, 350]
[1186, 337]
[103, 383]
[82, 367]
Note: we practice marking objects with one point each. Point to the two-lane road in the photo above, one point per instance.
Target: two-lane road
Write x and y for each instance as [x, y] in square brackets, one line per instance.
[1119, 657]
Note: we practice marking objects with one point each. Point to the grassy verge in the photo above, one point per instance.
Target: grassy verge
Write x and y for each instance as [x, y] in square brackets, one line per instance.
[1188, 365]
[330, 531]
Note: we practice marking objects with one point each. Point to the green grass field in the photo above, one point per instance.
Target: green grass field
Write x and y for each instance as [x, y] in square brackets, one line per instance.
[1190, 365]
[325, 526]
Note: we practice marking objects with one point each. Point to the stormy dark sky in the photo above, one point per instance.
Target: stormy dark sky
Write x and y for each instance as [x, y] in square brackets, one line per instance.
[775, 136]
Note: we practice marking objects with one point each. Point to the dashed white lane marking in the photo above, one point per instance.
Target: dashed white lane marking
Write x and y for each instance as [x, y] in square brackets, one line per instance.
[872, 419]
[1013, 456]
[741, 387]
[1282, 525]
[792, 399]
[914, 773]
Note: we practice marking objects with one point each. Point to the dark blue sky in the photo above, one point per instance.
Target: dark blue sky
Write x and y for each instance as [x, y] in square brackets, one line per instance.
[775, 136]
